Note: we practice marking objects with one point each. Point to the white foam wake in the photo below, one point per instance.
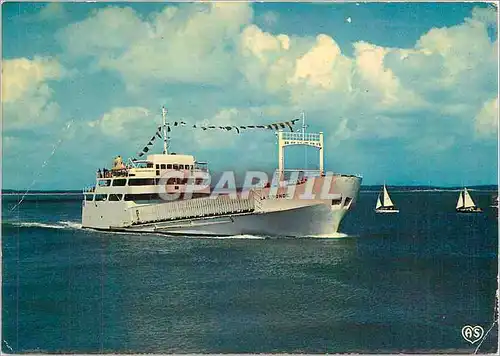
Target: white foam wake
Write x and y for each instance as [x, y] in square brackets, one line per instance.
[333, 235]
[71, 224]
[58, 225]
[250, 237]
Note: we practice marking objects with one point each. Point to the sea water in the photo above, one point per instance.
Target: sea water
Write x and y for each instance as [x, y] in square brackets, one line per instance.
[404, 282]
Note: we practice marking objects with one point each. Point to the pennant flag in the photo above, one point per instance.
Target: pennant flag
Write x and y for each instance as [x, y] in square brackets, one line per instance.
[134, 159]
[251, 126]
[145, 149]
[194, 126]
[211, 127]
[141, 154]
[237, 129]
[158, 134]
[175, 123]
[152, 138]
[243, 127]
[228, 128]
[289, 125]
[282, 125]
[169, 129]
[150, 143]
[270, 127]
[260, 126]
[204, 128]
[182, 123]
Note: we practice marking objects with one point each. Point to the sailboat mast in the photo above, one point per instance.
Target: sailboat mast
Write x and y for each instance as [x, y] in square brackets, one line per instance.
[165, 137]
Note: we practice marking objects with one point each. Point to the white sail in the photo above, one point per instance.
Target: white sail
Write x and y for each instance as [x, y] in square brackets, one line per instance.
[387, 199]
[379, 203]
[468, 202]
[460, 201]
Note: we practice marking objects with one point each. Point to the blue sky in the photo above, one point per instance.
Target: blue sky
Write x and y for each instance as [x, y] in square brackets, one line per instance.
[405, 93]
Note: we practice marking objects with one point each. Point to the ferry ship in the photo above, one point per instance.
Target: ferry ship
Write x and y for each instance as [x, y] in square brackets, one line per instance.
[164, 194]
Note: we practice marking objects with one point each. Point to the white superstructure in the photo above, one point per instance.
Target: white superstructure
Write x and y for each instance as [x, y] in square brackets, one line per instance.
[137, 197]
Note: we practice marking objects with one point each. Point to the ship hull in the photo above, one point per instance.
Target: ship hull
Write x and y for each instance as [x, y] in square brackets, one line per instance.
[312, 221]
[263, 213]
[472, 210]
[386, 211]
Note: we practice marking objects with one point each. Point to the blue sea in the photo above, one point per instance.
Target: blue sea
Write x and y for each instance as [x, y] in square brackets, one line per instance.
[398, 283]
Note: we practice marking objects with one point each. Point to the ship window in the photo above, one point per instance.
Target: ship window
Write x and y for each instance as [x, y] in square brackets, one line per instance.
[141, 181]
[149, 165]
[134, 197]
[100, 197]
[170, 181]
[157, 166]
[199, 181]
[181, 166]
[104, 182]
[336, 201]
[347, 201]
[169, 166]
[115, 197]
[176, 166]
[157, 172]
[119, 182]
[163, 166]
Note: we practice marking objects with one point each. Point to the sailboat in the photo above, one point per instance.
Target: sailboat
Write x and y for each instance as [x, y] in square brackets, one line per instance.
[494, 203]
[465, 204]
[384, 203]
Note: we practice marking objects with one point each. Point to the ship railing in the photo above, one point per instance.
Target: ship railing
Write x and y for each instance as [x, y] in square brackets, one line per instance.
[192, 209]
[303, 136]
[256, 196]
[89, 189]
[315, 173]
[201, 166]
[122, 172]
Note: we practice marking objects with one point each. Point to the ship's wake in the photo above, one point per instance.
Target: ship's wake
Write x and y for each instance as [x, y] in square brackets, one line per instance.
[73, 225]
[248, 237]
[34, 224]
[333, 235]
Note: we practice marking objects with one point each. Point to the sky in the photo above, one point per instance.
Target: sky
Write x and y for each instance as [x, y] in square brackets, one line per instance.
[406, 93]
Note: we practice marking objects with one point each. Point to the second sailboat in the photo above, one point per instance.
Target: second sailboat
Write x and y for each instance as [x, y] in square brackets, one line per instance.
[384, 203]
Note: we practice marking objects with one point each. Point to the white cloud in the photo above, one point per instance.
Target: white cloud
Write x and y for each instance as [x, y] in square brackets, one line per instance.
[377, 90]
[323, 66]
[125, 122]
[191, 44]
[26, 93]
[486, 120]
[487, 16]
[459, 60]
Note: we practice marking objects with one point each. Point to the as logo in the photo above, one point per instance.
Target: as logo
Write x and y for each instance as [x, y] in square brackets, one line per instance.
[472, 333]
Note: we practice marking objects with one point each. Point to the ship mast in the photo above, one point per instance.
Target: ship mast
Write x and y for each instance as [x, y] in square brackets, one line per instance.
[303, 116]
[165, 137]
[304, 127]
